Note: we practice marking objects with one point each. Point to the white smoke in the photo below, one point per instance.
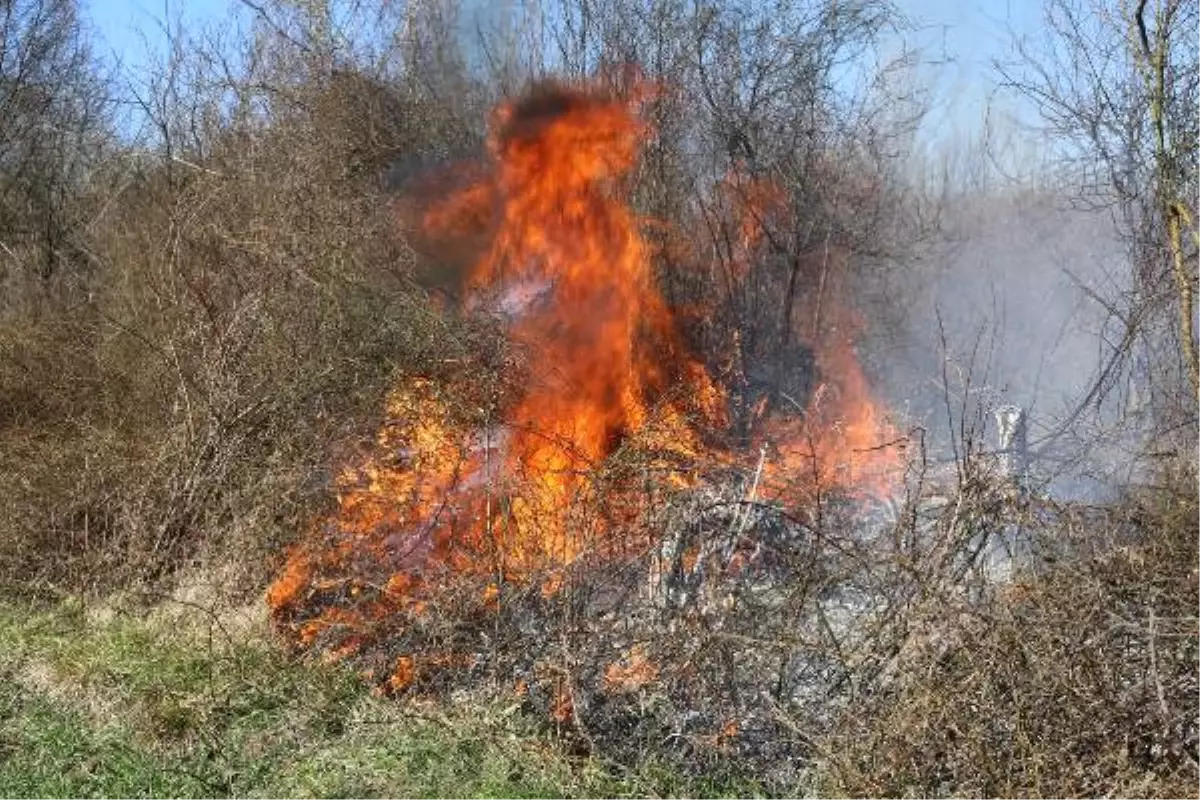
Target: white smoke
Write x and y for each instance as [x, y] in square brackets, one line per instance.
[1009, 307]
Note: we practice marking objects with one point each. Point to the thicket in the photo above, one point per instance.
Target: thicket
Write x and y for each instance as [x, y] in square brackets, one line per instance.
[207, 316]
[198, 310]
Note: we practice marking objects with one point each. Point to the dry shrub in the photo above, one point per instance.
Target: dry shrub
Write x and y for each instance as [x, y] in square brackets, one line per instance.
[182, 404]
[1079, 680]
[717, 634]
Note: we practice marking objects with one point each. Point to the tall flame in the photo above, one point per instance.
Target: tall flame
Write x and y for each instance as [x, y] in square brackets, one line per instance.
[567, 260]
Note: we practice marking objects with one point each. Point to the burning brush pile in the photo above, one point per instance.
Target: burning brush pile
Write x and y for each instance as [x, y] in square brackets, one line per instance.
[581, 527]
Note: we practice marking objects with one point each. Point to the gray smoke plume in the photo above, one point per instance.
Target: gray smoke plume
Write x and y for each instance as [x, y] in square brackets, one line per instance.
[1007, 309]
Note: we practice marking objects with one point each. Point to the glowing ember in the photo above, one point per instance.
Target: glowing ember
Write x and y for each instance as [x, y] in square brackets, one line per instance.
[632, 672]
[566, 264]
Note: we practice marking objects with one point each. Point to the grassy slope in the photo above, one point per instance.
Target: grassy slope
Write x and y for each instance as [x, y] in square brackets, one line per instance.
[122, 706]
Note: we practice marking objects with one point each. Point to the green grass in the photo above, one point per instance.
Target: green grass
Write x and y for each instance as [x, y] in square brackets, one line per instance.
[123, 706]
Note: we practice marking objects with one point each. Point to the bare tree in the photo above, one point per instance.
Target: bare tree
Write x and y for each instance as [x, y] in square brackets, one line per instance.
[1173, 146]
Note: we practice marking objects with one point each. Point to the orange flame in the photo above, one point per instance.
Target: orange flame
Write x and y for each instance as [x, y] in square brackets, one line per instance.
[568, 261]
[632, 672]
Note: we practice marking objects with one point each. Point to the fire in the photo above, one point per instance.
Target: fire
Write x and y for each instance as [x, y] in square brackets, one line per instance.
[632, 672]
[567, 261]
[843, 439]
[567, 265]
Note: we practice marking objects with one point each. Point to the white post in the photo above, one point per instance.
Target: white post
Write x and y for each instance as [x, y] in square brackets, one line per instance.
[1013, 443]
[1011, 549]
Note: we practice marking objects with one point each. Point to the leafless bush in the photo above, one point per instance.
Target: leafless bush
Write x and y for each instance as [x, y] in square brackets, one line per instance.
[251, 298]
[55, 129]
[864, 653]
[1077, 680]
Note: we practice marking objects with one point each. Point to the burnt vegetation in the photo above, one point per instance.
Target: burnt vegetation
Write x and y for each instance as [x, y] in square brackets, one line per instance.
[263, 325]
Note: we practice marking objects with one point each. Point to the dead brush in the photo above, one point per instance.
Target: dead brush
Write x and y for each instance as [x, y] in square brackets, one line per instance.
[1077, 679]
[249, 306]
[699, 624]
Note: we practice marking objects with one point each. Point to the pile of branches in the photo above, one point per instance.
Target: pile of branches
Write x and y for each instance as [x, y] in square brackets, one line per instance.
[853, 647]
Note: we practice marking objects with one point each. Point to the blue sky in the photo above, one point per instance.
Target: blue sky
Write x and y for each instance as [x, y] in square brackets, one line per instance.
[126, 26]
[959, 38]
[963, 39]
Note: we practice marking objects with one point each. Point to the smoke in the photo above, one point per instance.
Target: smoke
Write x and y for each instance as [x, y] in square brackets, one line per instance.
[1009, 308]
